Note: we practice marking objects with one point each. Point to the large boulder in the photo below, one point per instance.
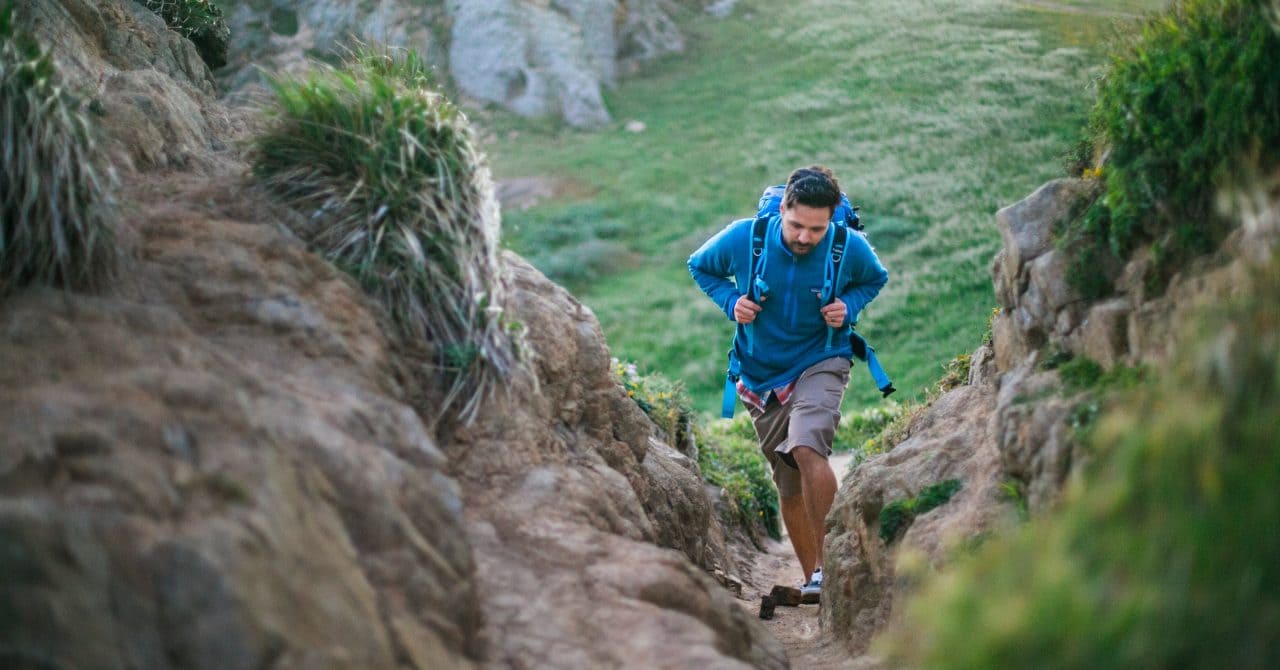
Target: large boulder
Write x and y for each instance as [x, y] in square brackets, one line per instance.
[585, 525]
[535, 58]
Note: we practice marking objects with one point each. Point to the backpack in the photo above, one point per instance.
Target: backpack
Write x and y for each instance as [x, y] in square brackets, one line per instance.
[766, 209]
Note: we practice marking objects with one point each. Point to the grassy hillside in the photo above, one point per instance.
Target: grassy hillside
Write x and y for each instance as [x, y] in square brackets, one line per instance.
[933, 113]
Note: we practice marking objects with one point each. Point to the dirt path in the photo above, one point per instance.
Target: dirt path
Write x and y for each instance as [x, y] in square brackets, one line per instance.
[797, 628]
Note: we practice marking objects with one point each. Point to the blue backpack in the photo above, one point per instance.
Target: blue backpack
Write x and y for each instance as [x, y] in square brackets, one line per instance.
[768, 207]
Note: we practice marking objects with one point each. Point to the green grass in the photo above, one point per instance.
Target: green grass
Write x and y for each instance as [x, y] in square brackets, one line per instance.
[933, 114]
[385, 171]
[57, 211]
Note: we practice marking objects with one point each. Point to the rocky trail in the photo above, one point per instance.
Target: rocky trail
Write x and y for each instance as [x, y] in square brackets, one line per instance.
[797, 628]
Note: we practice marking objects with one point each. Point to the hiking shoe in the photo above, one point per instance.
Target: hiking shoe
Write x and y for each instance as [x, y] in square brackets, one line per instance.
[814, 586]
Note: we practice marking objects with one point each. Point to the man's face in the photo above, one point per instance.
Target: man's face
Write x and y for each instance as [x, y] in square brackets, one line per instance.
[803, 227]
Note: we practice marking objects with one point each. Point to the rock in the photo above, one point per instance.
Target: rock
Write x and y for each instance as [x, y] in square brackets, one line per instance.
[1031, 433]
[634, 126]
[185, 485]
[529, 58]
[1027, 227]
[1104, 334]
[950, 440]
[1008, 341]
[535, 58]
[153, 90]
[569, 516]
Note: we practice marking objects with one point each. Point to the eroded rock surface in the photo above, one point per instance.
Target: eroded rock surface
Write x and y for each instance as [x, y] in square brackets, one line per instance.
[535, 58]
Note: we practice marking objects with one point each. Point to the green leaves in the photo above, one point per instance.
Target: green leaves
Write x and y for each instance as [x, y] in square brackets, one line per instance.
[1187, 107]
[897, 515]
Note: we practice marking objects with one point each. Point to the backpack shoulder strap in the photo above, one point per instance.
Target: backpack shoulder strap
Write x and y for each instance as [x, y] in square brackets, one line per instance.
[838, 244]
[759, 229]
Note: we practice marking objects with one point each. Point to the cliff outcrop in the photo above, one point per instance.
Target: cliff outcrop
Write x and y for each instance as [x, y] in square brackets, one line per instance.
[535, 58]
[221, 461]
[1009, 435]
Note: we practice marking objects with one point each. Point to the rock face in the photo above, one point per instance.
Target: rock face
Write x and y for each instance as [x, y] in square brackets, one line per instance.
[950, 441]
[221, 462]
[1007, 434]
[535, 58]
[151, 87]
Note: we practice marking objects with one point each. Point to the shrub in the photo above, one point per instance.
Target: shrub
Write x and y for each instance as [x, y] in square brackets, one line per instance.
[57, 215]
[199, 21]
[1164, 553]
[1192, 94]
[387, 173]
[665, 401]
[730, 457]
[897, 515]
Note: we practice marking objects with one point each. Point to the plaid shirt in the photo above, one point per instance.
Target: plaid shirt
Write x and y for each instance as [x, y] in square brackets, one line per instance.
[751, 399]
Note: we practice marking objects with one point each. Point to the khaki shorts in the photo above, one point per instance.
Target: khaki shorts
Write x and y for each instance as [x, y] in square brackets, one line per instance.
[809, 419]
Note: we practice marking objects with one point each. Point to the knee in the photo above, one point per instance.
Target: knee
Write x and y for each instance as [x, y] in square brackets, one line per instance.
[807, 458]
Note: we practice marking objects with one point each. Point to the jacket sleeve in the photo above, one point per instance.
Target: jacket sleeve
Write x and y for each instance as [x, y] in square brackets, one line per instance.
[713, 264]
[866, 277]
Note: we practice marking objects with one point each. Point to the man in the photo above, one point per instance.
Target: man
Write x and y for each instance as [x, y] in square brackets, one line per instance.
[792, 345]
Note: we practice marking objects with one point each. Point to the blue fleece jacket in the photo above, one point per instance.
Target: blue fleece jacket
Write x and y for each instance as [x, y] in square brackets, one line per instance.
[789, 332]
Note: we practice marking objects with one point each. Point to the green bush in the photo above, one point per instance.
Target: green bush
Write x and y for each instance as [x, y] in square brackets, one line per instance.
[199, 21]
[388, 176]
[730, 457]
[57, 215]
[1164, 555]
[1188, 101]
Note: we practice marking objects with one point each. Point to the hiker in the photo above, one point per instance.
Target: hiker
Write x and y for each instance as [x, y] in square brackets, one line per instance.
[791, 352]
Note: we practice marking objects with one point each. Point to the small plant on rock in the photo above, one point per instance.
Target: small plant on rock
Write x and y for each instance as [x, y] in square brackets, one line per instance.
[395, 192]
[199, 21]
[56, 211]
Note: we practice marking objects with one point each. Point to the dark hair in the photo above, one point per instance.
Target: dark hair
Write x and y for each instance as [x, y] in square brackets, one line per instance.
[813, 186]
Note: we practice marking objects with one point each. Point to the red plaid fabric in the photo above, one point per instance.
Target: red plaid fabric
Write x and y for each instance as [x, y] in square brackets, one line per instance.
[751, 399]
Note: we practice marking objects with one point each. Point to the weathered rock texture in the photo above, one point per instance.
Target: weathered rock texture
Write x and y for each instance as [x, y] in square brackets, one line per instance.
[535, 58]
[222, 462]
[153, 92]
[1007, 434]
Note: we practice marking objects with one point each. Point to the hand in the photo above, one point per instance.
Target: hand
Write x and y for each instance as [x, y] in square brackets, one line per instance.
[835, 313]
[744, 311]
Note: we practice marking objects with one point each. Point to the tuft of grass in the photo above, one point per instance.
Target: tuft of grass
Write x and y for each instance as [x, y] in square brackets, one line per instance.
[897, 515]
[387, 174]
[199, 21]
[57, 213]
[1162, 554]
[1189, 99]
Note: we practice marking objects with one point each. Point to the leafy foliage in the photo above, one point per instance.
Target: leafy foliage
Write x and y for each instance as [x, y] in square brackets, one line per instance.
[1184, 104]
[199, 21]
[730, 457]
[57, 215]
[897, 515]
[387, 173]
[1162, 555]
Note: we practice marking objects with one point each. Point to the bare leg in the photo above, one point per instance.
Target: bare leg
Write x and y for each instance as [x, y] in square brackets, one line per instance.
[818, 489]
[796, 518]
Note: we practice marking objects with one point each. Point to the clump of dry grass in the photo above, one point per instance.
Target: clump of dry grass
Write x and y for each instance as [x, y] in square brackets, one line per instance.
[56, 211]
[387, 172]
